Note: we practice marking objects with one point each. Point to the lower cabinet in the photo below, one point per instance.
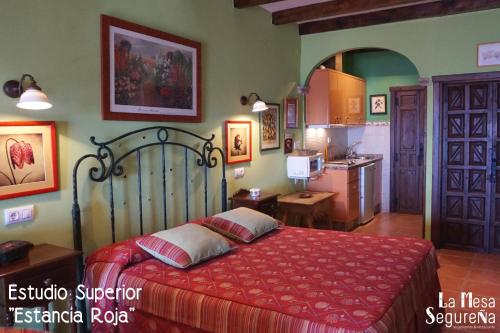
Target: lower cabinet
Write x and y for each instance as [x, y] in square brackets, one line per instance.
[345, 205]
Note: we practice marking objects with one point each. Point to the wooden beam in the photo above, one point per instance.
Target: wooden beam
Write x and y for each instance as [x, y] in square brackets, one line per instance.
[433, 9]
[337, 8]
[251, 3]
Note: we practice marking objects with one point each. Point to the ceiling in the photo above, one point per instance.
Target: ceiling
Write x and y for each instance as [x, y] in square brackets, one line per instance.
[314, 16]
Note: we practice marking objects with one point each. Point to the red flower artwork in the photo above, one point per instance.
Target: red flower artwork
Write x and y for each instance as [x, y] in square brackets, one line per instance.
[18, 154]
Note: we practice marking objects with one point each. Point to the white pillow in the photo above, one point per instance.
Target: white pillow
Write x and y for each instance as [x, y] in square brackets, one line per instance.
[185, 245]
[242, 223]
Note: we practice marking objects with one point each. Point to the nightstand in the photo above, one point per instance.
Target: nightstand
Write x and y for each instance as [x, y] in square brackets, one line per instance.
[266, 203]
[44, 266]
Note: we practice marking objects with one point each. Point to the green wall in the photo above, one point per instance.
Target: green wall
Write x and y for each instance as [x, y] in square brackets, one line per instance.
[381, 70]
[58, 42]
[437, 46]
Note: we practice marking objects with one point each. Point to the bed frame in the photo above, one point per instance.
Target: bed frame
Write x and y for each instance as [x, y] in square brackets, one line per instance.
[110, 163]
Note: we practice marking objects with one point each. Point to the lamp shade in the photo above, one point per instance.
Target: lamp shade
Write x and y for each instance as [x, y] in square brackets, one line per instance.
[259, 106]
[34, 99]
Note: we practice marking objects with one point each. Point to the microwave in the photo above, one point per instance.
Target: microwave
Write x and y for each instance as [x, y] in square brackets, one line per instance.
[302, 167]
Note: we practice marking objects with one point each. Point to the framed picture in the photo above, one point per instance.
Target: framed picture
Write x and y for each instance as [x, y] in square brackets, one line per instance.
[378, 104]
[238, 141]
[148, 75]
[288, 144]
[28, 158]
[291, 112]
[269, 121]
[488, 54]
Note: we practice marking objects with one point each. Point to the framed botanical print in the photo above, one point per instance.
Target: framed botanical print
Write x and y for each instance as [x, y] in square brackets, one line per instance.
[378, 104]
[28, 158]
[269, 121]
[238, 141]
[147, 74]
[488, 54]
[291, 112]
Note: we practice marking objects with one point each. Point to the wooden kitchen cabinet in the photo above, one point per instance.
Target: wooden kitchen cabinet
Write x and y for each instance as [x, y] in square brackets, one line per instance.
[345, 205]
[335, 98]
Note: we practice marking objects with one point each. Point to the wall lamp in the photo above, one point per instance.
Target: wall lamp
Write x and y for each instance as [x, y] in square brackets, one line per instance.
[258, 105]
[31, 98]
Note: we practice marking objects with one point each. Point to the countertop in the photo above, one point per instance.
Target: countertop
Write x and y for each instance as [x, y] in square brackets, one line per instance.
[367, 159]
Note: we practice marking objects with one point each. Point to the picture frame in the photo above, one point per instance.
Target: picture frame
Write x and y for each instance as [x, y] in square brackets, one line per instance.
[28, 158]
[269, 124]
[378, 104]
[488, 54]
[238, 141]
[148, 75]
[288, 144]
[291, 112]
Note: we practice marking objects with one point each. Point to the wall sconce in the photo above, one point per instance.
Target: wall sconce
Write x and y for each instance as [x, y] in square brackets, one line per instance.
[31, 98]
[258, 105]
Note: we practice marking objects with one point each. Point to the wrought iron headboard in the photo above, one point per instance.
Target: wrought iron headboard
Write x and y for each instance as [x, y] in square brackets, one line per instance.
[110, 164]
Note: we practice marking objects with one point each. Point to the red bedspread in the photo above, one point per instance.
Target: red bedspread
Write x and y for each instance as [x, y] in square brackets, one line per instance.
[293, 280]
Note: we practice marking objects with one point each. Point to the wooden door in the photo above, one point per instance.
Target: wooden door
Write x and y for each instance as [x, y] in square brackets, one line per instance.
[407, 149]
[467, 164]
[495, 177]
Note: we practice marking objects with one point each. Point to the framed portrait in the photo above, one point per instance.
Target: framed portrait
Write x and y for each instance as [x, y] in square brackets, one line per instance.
[238, 141]
[28, 158]
[291, 112]
[378, 104]
[488, 54]
[288, 145]
[269, 121]
[147, 74]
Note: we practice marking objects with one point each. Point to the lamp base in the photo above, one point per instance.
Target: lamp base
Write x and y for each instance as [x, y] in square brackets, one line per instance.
[11, 88]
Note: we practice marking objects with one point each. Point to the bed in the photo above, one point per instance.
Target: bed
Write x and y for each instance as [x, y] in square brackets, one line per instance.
[290, 280]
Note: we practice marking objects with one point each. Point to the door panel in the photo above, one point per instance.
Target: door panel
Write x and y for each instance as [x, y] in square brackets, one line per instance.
[467, 158]
[495, 170]
[408, 148]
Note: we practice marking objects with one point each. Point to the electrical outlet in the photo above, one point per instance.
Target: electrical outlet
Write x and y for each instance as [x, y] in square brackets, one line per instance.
[19, 214]
[239, 172]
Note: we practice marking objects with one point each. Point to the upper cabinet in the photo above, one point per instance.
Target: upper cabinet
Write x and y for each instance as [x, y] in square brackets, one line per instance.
[335, 98]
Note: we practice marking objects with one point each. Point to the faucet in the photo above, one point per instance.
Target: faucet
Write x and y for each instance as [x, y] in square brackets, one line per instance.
[350, 153]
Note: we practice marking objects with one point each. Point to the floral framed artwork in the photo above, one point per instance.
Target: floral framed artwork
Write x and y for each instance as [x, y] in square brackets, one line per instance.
[238, 141]
[378, 104]
[147, 74]
[291, 112]
[28, 158]
[488, 54]
[269, 121]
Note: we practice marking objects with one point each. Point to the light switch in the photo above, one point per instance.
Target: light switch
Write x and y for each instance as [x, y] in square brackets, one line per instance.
[19, 214]
[239, 172]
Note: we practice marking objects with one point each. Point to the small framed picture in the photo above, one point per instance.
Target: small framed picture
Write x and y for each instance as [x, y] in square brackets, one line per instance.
[288, 143]
[378, 104]
[291, 112]
[28, 158]
[269, 121]
[238, 141]
[488, 54]
[147, 74]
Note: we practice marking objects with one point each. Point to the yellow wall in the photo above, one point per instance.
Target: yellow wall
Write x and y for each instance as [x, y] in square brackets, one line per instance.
[58, 42]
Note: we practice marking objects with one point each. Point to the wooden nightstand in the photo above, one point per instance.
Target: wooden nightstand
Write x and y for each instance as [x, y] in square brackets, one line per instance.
[266, 203]
[44, 266]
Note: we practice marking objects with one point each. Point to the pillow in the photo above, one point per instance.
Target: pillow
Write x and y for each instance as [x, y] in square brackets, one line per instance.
[185, 245]
[242, 223]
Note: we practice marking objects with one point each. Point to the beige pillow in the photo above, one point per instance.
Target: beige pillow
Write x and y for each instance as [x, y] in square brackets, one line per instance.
[185, 245]
[242, 223]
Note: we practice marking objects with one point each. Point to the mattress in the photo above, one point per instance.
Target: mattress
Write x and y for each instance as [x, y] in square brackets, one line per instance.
[292, 280]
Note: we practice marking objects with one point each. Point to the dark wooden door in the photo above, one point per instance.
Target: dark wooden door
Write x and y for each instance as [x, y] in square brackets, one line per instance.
[407, 149]
[468, 164]
[495, 167]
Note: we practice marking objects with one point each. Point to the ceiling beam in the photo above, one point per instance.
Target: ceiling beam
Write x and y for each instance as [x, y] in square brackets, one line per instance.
[337, 8]
[433, 9]
[251, 3]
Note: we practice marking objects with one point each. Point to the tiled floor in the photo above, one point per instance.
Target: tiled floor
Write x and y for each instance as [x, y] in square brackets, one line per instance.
[459, 271]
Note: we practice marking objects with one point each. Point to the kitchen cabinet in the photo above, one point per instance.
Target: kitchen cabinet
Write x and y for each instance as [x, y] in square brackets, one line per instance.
[335, 98]
[345, 205]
